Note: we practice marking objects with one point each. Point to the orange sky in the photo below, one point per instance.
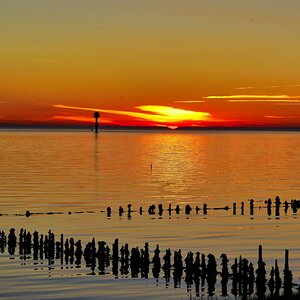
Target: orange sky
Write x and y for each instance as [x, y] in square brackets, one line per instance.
[150, 63]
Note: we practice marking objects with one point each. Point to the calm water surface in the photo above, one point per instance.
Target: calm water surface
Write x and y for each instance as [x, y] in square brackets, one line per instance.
[76, 171]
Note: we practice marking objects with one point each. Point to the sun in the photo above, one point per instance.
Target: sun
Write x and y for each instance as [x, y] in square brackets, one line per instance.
[172, 127]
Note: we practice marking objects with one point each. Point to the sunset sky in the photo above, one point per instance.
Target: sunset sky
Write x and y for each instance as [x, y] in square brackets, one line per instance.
[150, 62]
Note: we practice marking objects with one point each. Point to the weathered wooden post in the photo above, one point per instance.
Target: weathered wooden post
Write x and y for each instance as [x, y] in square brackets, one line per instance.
[260, 253]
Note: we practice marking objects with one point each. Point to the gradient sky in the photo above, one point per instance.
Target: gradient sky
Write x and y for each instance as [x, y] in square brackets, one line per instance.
[150, 62]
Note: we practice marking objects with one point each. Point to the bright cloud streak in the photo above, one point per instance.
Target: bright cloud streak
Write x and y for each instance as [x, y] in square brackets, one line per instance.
[116, 112]
[175, 113]
[190, 101]
[288, 103]
[280, 86]
[252, 97]
[80, 119]
[265, 100]
[267, 86]
[244, 88]
[157, 113]
[280, 117]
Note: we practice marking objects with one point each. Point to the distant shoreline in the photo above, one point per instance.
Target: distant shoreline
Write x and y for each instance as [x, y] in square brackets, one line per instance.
[133, 128]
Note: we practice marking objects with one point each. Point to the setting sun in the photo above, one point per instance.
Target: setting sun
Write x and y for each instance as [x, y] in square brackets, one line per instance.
[152, 115]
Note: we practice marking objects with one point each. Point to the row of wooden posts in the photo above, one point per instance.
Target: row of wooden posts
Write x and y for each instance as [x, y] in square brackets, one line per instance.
[294, 205]
[195, 269]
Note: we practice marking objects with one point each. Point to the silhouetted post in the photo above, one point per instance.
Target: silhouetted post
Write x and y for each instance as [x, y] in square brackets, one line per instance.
[197, 274]
[188, 209]
[251, 207]
[41, 246]
[96, 116]
[189, 269]
[115, 257]
[211, 274]
[145, 261]
[108, 212]
[12, 241]
[271, 283]
[260, 253]
[78, 252]
[170, 209]
[225, 272]
[2, 241]
[260, 275]
[35, 245]
[245, 277]
[286, 206]
[121, 211]
[288, 276]
[234, 209]
[251, 279]
[72, 250]
[167, 266]
[242, 208]
[160, 209]
[295, 205]
[278, 280]
[178, 268]
[269, 207]
[129, 211]
[203, 268]
[286, 260]
[156, 263]
[235, 277]
[277, 204]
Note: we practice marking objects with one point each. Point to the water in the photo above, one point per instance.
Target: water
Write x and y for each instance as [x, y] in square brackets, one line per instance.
[76, 171]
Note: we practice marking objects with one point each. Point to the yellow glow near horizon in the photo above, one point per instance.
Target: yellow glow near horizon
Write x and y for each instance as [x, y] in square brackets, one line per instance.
[175, 114]
[158, 114]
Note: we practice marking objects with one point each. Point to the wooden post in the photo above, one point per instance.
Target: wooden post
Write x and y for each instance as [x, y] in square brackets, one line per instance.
[260, 253]
[286, 260]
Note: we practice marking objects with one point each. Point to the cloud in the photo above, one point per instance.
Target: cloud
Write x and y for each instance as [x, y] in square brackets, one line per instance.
[190, 101]
[281, 86]
[175, 114]
[252, 97]
[244, 88]
[258, 98]
[267, 86]
[293, 103]
[281, 117]
[156, 114]
[80, 119]
[266, 100]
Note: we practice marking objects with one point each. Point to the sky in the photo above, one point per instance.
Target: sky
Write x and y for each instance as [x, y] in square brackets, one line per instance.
[169, 63]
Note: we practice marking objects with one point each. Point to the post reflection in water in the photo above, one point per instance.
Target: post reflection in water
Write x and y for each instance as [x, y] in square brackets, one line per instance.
[137, 262]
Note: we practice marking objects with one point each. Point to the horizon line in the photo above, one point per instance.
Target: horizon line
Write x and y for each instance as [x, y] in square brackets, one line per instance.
[141, 128]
